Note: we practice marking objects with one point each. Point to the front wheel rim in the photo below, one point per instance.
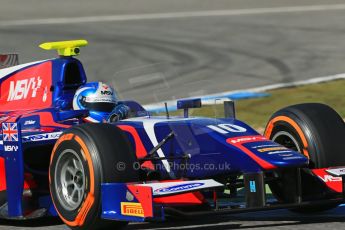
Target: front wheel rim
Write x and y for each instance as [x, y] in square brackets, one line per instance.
[70, 180]
[287, 140]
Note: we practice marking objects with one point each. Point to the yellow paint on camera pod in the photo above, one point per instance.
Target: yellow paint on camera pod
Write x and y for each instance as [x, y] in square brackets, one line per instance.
[65, 48]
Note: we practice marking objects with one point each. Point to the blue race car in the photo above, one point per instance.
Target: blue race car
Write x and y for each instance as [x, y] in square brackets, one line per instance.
[146, 168]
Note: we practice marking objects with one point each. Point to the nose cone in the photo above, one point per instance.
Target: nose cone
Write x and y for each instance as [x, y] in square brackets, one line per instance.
[268, 154]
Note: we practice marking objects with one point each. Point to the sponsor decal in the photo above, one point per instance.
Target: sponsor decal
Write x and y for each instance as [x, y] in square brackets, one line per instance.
[25, 88]
[95, 99]
[341, 170]
[281, 153]
[106, 92]
[291, 158]
[272, 149]
[241, 140]
[21, 89]
[332, 182]
[265, 146]
[329, 178]
[42, 137]
[29, 122]
[11, 148]
[10, 131]
[177, 188]
[336, 171]
[132, 209]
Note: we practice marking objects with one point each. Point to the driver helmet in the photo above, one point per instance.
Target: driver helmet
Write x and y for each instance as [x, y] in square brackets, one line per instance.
[97, 97]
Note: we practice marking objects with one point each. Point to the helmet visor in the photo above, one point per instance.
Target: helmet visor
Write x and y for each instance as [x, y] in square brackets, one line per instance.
[99, 106]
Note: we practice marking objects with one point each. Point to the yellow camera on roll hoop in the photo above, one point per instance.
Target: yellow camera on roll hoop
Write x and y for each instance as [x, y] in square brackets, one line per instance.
[65, 48]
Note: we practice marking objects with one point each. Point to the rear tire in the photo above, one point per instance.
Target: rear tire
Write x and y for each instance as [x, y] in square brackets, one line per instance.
[318, 132]
[83, 158]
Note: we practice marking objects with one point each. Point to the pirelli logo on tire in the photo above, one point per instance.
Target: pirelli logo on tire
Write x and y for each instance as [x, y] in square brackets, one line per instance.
[132, 209]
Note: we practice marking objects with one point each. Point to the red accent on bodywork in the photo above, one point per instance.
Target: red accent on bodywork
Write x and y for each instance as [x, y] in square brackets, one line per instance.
[2, 174]
[140, 150]
[239, 141]
[27, 89]
[332, 182]
[144, 196]
[47, 129]
[192, 198]
[46, 119]
[29, 182]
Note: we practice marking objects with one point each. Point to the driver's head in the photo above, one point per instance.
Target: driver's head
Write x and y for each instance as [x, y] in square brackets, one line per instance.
[97, 97]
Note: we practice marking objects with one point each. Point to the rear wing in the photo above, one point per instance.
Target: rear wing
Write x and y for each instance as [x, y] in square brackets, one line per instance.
[8, 60]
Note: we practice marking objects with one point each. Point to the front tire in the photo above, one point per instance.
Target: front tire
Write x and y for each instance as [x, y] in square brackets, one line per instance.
[316, 131]
[83, 158]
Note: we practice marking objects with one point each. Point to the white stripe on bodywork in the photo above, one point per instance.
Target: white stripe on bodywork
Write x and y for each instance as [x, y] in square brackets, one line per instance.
[149, 126]
[6, 71]
[150, 130]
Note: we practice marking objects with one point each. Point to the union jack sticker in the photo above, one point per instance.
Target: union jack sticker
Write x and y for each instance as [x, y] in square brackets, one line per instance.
[10, 131]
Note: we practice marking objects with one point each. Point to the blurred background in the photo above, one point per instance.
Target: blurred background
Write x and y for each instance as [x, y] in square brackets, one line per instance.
[161, 50]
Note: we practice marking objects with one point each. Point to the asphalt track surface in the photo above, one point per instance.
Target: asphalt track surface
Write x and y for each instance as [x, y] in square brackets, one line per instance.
[155, 50]
[269, 220]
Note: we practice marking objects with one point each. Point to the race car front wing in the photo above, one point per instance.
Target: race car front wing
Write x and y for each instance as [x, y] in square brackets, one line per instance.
[135, 202]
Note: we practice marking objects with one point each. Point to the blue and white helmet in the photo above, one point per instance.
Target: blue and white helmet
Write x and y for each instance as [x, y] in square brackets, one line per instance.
[97, 97]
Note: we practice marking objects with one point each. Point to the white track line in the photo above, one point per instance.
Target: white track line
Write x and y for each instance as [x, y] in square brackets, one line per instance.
[222, 95]
[135, 17]
[288, 84]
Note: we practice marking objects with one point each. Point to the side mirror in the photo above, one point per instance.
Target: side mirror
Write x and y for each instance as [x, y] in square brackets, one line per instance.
[186, 104]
